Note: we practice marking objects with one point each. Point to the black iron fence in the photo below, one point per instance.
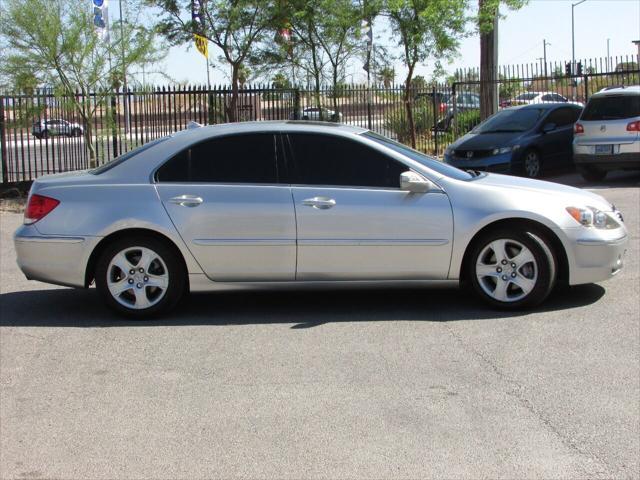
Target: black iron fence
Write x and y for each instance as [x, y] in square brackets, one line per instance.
[42, 133]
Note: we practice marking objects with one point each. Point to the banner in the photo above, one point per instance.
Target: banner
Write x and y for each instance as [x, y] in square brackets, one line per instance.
[202, 44]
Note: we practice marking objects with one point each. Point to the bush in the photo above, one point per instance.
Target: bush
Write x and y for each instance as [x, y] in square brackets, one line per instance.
[466, 121]
[397, 122]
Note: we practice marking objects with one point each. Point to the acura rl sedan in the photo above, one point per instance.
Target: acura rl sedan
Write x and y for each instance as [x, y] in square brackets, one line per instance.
[307, 203]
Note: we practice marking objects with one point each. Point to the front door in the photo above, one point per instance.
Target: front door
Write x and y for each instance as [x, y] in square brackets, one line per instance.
[354, 222]
[224, 197]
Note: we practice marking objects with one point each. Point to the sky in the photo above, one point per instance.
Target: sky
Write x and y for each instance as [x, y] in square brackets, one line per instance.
[521, 34]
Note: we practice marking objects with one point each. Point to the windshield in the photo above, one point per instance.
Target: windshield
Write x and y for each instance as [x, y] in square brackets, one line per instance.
[518, 120]
[126, 156]
[429, 162]
[526, 96]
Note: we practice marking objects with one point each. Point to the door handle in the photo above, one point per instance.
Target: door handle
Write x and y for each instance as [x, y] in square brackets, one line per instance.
[187, 200]
[321, 203]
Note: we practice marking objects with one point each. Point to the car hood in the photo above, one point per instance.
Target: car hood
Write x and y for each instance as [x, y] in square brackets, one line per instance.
[570, 195]
[486, 141]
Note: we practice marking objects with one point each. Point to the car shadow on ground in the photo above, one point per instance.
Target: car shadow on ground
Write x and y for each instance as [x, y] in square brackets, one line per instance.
[302, 309]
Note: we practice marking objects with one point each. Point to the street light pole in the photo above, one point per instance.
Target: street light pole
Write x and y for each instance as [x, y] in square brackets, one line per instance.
[608, 57]
[573, 45]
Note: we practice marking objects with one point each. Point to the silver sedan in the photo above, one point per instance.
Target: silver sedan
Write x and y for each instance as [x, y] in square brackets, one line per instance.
[304, 203]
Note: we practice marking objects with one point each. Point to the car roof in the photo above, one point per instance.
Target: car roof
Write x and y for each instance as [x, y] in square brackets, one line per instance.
[544, 106]
[621, 90]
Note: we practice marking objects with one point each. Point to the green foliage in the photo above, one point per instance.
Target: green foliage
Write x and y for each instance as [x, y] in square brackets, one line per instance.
[396, 120]
[466, 121]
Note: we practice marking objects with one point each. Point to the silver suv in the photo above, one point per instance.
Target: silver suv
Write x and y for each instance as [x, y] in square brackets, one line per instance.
[607, 134]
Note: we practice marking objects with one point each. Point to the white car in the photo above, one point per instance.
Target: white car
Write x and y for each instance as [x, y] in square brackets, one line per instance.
[607, 134]
[527, 98]
[56, 127]
[313, 114]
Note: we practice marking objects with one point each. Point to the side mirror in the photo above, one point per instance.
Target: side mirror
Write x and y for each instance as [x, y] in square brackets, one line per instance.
[414, 183]
[549, 127]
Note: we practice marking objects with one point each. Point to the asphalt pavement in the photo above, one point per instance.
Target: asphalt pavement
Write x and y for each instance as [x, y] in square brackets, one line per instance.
[387, 383]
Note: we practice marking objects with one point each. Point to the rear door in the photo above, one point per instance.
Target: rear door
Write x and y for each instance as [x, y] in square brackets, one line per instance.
[225, 198]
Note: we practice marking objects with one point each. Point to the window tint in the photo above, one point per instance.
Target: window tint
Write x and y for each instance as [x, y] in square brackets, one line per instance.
[232, 159]
[563, 116]
[329, 160]
[612, 107]
[126, 156]
[511, 120]
[526, 96]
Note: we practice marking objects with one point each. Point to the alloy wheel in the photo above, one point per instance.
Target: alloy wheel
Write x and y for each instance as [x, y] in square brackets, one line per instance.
[506, 270]
[137, 278]
[532, 164]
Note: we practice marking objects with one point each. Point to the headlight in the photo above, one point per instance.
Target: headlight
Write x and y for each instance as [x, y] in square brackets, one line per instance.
[592, 217]
[500, 151]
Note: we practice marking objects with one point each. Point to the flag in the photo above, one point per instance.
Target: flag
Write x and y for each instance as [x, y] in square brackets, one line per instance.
[202, 44]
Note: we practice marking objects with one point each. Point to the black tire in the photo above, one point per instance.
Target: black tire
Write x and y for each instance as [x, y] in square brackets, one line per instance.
[76, 132]
[592, 174]
[305, 117]
[539, 274]
[531, 164]
[45, 134]
[168, 261]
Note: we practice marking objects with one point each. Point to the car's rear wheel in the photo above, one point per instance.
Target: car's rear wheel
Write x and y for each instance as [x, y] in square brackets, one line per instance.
[592, 174]
[45, 134]
[532, 166]
[140, 277]
[511, 270]
[76, 132]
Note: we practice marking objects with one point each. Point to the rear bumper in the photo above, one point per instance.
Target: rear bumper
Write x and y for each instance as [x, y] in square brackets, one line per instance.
[53, 259]
[619, 161]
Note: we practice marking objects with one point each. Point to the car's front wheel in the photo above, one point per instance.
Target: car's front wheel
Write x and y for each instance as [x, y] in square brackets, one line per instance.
[140, 277]
[511, 269]
[532, 164]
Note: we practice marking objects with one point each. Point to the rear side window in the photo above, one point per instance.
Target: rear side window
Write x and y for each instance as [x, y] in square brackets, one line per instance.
[612, 107]
[233, 159]
[126, 156]
[329, 160]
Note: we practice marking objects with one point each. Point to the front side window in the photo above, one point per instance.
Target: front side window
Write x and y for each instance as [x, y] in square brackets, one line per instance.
[563, 116]
[247, 158]
[330, 160]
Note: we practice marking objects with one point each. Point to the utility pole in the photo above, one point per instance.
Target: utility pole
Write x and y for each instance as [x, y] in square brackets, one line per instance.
[544, 53]
[124, 74]
[573, 45]
[608, 56]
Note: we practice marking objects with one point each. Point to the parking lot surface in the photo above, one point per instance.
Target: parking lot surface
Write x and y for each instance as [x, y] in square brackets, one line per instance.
[390, 383]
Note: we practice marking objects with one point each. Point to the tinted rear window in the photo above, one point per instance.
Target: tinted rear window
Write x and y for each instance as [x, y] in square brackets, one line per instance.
[612, 107]
[126, 156]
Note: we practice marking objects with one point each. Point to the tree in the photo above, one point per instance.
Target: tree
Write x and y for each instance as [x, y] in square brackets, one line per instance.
[488, 16]
[53, 43]
[426, 28]
[236, 28]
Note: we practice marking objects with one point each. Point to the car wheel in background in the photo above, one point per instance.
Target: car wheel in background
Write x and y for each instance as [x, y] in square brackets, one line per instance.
[511, 269]
[45, 134]
[532, 165]
[140, 277]
[592, 174]
[76, 132]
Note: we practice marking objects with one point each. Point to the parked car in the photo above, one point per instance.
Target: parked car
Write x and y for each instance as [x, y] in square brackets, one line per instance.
[313, 114]
[607, 135]
[528, 98]
[465, 102]
[56, 127]
[292, 203]
[521, 140]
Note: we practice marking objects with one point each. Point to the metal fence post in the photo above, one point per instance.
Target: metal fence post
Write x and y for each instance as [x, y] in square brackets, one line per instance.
[3, 143]
[586, 88]
[114, 130]
[435, 119]
[454, 99]
[296, 103]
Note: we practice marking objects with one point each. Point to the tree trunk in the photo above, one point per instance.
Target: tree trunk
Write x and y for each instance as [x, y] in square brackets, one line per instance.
[232, 108]
[489, 68]
[409, 107]
[88, 141]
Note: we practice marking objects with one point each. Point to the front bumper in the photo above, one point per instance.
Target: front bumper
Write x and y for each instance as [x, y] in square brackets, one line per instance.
[53, 259]
[496, 163]
[595, 255]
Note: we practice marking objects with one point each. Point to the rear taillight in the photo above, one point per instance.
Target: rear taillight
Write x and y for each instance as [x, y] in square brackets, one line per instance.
[634, 127]
[578, 129]
[443, 107]
[39, 207]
